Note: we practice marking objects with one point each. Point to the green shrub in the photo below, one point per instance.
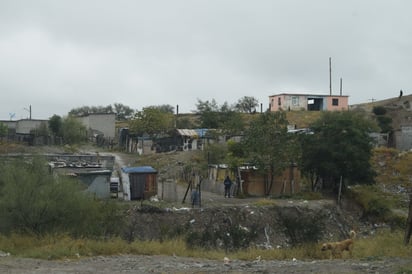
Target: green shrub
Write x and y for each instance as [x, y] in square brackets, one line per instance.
[379, 110]
[376, 208]
[301, 228]
[377, 205]
[32, 200]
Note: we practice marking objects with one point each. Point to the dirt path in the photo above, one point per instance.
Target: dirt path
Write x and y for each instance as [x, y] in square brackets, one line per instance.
[172, 264]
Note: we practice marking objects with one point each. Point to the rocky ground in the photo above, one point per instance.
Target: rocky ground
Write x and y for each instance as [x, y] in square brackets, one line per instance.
[172, 264]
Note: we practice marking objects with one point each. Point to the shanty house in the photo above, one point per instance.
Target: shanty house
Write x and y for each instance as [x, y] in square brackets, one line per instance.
[94, 171]
[139, 182]
[255, 183]
[96, 181]
[182, 139]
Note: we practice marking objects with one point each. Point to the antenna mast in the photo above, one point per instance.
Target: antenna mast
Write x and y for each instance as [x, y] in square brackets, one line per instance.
[330, 76]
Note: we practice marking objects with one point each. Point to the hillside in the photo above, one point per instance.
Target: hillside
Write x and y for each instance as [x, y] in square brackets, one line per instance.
[398, 108]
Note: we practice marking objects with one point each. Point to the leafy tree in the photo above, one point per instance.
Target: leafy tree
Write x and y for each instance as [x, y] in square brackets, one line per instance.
[232, 122]
[209, 113]
[123, 112]
[379, 110]
[165, 108]
[340, 146]
[247, 104]
[72, 130]
[269, 146]
[384, 122]
[153, 121]
[222, 117]
[55, 124]
[184, 122]
[41, 130]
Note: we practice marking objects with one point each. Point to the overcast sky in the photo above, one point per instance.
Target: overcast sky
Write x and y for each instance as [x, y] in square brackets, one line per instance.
[58, 55]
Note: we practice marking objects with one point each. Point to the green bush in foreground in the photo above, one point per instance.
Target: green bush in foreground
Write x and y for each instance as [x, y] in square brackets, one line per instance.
[34, 201]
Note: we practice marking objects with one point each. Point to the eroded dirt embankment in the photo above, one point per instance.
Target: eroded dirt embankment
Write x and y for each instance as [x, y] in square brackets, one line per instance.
[279, 225]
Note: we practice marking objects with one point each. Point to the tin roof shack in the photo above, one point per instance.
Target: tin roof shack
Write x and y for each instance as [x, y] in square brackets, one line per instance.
[254, 183]
[187, 139]
[139, 183]
[96, 181]
[257, 184]
[92, 170]
[179, 139]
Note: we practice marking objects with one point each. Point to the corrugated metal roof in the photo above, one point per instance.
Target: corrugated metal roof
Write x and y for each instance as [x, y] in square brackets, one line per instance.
[187, 132]
[201, 132]
[139, 169]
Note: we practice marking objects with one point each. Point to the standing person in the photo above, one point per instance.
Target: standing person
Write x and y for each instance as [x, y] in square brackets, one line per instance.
[228, 184]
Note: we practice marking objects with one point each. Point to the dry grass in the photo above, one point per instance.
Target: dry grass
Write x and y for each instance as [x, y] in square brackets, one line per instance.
[383, 244]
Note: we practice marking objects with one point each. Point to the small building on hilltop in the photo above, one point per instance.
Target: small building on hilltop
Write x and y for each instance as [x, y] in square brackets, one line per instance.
[311, 102]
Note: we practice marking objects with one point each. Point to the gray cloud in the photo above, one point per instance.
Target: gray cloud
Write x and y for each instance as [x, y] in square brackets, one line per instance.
[58, 55]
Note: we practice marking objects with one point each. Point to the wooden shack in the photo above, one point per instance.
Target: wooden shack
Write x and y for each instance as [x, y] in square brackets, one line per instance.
[139, 182]
[254, 182]
[257, 184]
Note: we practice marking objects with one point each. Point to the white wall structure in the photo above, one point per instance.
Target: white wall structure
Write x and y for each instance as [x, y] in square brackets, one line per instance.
[25, 126]
[102, 122]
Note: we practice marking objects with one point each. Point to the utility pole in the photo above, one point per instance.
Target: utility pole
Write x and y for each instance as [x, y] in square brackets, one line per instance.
[29, 110]
[330, 76]
[177, 114]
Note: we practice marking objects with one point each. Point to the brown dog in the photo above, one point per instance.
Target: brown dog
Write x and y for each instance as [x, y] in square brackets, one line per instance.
[337, 248]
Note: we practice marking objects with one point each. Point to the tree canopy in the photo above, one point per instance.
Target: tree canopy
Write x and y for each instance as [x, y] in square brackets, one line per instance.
[247, 104]
[209, 113]
[153, 121]
[164, 108]
[55, 124]
[84, 110]
[340, 146]
[268, 144]
[72, 130]
[123, 112]
[223, 117]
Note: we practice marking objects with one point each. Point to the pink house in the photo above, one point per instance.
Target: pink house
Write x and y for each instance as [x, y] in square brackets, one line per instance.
[300, 101]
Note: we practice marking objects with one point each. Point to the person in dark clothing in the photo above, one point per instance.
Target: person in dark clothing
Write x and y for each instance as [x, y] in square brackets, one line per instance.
[228, 184]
